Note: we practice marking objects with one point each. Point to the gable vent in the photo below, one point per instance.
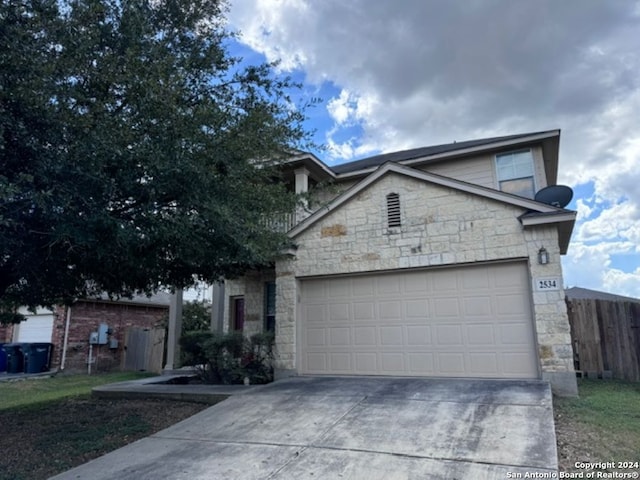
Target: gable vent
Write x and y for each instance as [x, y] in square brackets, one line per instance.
[393, 210]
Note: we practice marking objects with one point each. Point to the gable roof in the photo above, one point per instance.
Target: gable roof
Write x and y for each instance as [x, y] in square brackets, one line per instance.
[548, 213]
[578, 293]
[550, 139]
[309, 161]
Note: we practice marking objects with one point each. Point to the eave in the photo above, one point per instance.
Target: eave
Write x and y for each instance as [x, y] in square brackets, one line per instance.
[564, 219]
[527, 204]
[317, 168]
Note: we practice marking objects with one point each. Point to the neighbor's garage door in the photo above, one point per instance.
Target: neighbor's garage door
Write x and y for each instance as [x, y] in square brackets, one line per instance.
[456, 322]
[35, 329]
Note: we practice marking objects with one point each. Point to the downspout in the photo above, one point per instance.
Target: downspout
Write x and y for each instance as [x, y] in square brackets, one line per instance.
[66, 339]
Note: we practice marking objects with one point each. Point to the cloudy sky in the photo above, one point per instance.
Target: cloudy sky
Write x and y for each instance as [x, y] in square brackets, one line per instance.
[397, 74]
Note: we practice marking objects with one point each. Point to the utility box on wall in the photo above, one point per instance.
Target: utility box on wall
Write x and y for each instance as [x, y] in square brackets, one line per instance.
[103, 333]
[101, 337]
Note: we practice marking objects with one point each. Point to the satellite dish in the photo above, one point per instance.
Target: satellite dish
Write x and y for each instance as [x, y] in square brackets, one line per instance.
[555, 195]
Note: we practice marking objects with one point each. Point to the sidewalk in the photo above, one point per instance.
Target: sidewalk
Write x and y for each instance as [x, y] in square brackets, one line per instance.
[157, 387]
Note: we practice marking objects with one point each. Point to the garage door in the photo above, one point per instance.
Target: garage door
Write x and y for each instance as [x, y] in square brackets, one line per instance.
[454, 322]
[37, 328]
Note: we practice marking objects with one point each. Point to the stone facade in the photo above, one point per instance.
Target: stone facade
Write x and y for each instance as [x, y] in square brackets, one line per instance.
[441, 226]
[252, 287]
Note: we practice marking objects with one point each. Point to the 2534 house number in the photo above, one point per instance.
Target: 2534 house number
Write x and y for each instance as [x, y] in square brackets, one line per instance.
[548, 284]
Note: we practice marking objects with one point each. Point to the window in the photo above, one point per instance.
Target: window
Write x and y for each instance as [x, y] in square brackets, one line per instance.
[393, 210]
[515, 173]
[270, 307]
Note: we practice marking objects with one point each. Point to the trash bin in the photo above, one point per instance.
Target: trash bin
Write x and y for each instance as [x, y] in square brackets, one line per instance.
[15, 360]
[37, 357]
[3, 359]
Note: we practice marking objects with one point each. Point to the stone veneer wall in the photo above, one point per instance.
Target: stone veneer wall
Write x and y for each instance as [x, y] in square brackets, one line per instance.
[252, 287]
[440, 226]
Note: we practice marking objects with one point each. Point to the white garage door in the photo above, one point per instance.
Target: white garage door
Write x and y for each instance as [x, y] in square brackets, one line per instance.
[454, 322]
[37, 328]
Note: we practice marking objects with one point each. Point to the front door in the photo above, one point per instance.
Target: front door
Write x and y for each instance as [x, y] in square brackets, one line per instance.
[237, 319]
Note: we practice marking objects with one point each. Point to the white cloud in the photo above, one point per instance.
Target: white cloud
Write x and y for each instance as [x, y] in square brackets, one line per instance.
[458, 70]
[622, 283]
[342, 109]
[620, 221]
[584, 211]
[266, 25]
[589, 266]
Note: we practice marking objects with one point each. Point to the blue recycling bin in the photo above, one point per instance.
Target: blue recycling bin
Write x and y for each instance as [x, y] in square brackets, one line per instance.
[15, 359]
[37, 357]
[3, 359]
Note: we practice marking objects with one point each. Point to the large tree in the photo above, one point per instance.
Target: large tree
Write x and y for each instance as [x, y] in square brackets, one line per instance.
[134, 150]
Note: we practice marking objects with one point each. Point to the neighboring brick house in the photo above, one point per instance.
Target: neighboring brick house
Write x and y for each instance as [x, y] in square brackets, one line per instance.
[6, 333]
[435, 261]
[71, 352]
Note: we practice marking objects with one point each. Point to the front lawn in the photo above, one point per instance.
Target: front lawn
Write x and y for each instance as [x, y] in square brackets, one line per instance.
[35, 390]
[49, 425]
[602, 425]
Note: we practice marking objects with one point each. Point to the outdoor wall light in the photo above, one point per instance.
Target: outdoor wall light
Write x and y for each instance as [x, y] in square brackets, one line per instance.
[543, 256]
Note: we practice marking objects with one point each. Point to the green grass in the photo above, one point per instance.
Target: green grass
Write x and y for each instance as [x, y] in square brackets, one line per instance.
[36, 390]
[607, 415]
[49, 425]
[40, 440]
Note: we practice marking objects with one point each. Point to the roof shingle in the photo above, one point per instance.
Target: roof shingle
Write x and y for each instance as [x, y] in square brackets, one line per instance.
[414, 153]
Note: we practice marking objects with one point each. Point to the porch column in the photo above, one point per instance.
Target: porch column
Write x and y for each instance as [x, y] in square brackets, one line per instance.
[302, 180]
[175, 330]
[302, 186]
[217, 307]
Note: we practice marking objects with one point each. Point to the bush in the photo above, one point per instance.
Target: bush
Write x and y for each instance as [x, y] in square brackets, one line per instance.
[258, 356]
[229, 358]
[191, 347]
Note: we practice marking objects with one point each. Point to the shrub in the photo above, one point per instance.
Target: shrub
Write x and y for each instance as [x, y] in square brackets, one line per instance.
[191, 344]
[258, 357]
[229, 358]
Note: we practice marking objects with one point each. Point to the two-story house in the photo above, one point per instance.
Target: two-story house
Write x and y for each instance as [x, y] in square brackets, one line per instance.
[431, 262]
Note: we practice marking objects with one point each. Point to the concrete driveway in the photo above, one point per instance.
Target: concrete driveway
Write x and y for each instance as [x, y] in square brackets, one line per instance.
[351, 428]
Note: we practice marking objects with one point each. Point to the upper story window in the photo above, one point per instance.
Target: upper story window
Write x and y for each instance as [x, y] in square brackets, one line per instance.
[393, 210]
[515, 173]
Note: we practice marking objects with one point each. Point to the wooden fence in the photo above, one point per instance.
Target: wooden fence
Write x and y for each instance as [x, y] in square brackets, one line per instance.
[143, 350]
[606, 338]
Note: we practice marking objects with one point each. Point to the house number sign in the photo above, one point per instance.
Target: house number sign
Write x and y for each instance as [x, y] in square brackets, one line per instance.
[547, 284]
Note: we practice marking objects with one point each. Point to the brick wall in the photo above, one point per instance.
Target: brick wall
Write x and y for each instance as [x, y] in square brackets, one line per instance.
[6, 333]
[85, 318]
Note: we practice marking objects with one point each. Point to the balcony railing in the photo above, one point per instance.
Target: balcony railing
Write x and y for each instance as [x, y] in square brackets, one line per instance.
[284, 222]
